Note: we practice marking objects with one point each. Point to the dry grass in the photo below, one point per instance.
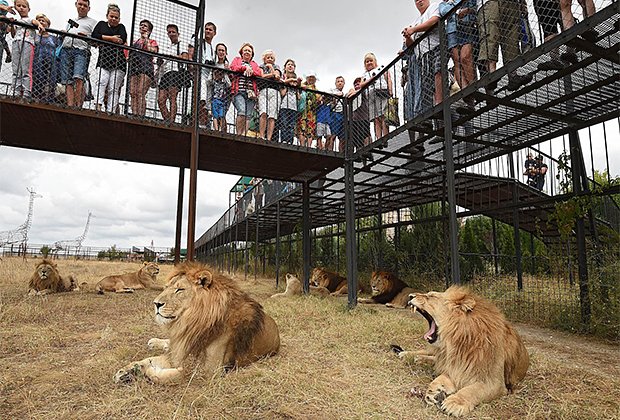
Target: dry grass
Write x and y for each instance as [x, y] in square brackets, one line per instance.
[58, 354]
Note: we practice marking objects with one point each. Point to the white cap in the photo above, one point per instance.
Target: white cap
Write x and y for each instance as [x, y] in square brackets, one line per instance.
[311, 73]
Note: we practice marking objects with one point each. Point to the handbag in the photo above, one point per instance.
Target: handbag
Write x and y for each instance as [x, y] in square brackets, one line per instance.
[391, 112]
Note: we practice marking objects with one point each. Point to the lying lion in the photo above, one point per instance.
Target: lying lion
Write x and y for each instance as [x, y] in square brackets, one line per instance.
[294, 288]
[388, 289]
[476, 353]
[334, 282]
[144, 278]
[208, 318]
[47, 279]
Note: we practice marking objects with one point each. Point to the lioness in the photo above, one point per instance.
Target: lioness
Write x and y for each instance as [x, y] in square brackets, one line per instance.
[47, 279]
[389, 289]
[126, 283]
[294, 288]
[476, 352]
[208, 318]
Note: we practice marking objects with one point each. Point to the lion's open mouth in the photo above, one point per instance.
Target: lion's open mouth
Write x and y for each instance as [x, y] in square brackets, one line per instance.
[432, 333]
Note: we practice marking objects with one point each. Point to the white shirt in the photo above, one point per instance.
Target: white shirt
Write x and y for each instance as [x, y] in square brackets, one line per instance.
[24, 34]
[432, 39]
[172, 49]
[86, 26]
[338, 107]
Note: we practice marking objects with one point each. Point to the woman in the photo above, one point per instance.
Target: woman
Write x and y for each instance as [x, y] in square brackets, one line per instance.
[306, 124]
[141, 69]
[221, 56]
[111, 62]
[287, 117]
[378, 93]
[45, 64]
[244, 89]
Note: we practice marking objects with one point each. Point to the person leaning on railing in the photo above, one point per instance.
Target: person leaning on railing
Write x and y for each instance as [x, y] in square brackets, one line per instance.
[141, 68]
[45, 73]
[23, 50]
[5, 9]
[111, 61]
[244, 89]
[287, 119]
[173, 75]
[268, 95]
[75, 55]
[379, 91]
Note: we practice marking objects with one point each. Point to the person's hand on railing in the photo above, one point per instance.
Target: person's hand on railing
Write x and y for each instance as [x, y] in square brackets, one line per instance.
[248, 71]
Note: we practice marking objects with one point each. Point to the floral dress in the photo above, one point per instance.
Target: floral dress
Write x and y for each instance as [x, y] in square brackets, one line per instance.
[306, 123]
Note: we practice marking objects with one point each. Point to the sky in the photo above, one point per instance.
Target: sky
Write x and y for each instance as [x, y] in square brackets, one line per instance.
[135, 204]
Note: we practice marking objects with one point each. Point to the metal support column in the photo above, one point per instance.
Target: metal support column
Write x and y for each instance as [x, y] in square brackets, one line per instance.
[379, 236]
[256, 244]
[578, 173]
[306, 239]
[449, 158]
[277, 243]
[515, 223]
[495, 247]
[349, 208]
[246, 250]
[177, 235]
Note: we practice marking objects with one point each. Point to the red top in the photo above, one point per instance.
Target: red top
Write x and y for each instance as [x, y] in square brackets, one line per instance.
[238, 65]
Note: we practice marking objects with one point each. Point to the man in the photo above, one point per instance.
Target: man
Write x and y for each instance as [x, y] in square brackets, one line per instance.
[541, 171]
[499, 24]
[336, 124]
[174, 76]
[75, 55]
[530, 170]
[208, 57]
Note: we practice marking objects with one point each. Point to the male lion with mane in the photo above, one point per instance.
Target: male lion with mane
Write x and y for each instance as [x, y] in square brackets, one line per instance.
[208, 318]
[144, 278]
[47, 279]
[389, 289]
[476, 353]
[334, 282]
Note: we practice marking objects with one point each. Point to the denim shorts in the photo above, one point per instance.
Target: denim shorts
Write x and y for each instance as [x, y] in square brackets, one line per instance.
[73, 64]
[243, 104]
[218, 108]
[336, 124]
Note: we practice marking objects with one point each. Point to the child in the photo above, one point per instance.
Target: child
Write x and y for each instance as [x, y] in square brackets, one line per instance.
[4, 9]
[323, 117]
[268, 97]
[219, 104]
[23, 50]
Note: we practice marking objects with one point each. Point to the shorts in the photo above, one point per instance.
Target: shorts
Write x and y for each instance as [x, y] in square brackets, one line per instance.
[549, 16]
[466, 33]
[178, 79]
[322, 129]
[269, 102]
[218, 108]
[336, 125]
[73, 64]
[243, 104]
[452, 40]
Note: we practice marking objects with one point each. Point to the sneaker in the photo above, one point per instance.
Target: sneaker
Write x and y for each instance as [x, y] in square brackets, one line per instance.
[590, 35]
[551, 65]
[570, 57]
[516, 81]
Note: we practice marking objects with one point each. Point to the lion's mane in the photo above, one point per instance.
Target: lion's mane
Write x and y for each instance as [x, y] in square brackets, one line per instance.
[47, 279]
[387, 288]
[474, 347]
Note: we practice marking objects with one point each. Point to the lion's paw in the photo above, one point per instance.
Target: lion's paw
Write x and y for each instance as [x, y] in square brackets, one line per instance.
[158, 344]
[435, 394]
[128, 374]
[456, 405]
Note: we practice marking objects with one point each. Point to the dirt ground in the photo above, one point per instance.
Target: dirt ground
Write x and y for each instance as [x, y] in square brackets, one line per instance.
[58, 354]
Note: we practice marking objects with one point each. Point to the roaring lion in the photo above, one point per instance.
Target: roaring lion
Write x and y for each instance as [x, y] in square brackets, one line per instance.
[476, 353]
[144, 278]
[208, 318]
[389, 289]
[294, 288]
[334, 282]
[47, 279]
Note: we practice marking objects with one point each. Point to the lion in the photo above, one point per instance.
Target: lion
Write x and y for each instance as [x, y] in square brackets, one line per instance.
[294, 288]
[126, 283]
[208, 318]
[388, 289]
[47, 279]
[477, 354]
[334, 282]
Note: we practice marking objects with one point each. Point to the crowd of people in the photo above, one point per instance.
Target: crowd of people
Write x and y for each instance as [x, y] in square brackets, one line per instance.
[267, 100]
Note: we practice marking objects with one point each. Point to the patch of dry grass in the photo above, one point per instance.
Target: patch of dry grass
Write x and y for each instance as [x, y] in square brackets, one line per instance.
[58, 354]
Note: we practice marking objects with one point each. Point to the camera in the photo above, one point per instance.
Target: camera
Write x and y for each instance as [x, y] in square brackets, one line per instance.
[210, 62]
[72, 23]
